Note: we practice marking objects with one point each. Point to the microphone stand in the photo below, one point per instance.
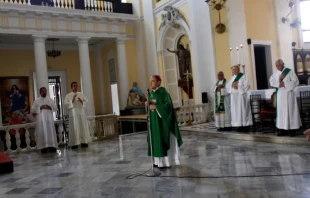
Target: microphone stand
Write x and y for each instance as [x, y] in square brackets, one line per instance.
[153, 173]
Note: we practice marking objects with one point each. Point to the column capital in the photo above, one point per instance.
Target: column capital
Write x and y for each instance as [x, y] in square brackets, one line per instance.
[120, 41]
[39, 38]
[83, 39]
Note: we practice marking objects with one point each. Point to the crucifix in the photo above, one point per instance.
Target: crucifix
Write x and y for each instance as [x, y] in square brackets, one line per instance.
[189, 113]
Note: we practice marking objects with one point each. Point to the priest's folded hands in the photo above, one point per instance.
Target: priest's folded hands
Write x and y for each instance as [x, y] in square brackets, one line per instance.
[235, 85]
[281, 84]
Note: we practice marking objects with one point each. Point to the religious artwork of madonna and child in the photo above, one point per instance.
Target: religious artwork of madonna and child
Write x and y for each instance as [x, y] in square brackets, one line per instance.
[14, 99]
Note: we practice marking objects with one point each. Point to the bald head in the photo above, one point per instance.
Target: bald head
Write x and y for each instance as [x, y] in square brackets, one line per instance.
[220, 75]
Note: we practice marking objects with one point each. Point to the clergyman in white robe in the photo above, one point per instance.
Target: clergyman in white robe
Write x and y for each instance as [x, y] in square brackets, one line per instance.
[45, 128]
[78, 125]
[288, 117]
[240, 102]
[222, 97]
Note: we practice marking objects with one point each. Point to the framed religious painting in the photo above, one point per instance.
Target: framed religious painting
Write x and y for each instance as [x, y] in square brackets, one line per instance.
[14, 96]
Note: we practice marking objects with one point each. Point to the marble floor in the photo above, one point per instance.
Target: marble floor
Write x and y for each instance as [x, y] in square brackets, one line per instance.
[222, 167]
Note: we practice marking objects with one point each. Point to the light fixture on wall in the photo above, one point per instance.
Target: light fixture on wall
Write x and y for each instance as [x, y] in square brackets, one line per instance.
[218, 6]
[53, 53]
[291, 5]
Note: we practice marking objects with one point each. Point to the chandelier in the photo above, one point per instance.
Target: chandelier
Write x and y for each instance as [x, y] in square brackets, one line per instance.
[218, 6]
[53, 53]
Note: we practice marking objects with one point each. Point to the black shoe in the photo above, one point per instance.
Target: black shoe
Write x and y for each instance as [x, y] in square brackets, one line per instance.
[279, 132]
[74, 147]
[155, 166]
[246, 129]
[240, 129]
[84, 145]
[51, 150]
[292, 133]
[44, 150]
[166, 167]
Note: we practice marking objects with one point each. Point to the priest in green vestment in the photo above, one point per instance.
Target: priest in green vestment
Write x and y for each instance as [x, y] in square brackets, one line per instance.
[166, 137]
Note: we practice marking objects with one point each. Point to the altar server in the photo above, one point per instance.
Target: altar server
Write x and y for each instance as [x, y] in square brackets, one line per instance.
[78, 125]
[44, 107]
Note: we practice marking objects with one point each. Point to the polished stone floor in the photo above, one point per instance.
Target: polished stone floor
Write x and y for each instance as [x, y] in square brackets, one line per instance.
[101, 171]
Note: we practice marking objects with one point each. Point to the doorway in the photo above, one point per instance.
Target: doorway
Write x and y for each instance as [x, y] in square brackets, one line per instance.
[54, 86]
[263, 65]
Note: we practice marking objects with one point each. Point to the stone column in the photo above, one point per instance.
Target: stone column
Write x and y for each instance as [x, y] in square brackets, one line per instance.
[86, 79]
[203, 53]
[100, 81]
[143, 77]
[122, 73]
[41, 64]
[150, 37]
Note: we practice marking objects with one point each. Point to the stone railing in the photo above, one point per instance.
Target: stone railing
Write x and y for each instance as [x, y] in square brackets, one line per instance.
[25, 128]
[101, 127]
[106, 127]
[192, 114]
[93, 5]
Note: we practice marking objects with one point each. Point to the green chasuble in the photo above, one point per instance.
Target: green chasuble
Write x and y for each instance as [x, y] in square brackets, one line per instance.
[162, 125]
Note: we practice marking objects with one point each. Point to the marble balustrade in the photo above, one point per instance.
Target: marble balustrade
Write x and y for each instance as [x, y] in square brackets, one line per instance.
[100, 127]
[196, 113]
[93, 5]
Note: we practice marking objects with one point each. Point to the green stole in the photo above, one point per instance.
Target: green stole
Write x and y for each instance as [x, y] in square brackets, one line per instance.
[285, 72]
[238, 77]
[220, 109]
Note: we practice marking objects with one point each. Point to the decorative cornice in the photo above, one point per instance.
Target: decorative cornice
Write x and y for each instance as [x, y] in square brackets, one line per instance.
[174, 3]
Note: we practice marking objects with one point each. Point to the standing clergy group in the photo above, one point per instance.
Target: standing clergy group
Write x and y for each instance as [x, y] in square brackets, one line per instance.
[232, 102]
[44, 107]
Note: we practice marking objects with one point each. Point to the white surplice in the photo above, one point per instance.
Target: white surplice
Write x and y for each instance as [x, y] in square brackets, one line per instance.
[45, 128]
[239, 102]
[222, 120]
[78, 124]
[287, 108]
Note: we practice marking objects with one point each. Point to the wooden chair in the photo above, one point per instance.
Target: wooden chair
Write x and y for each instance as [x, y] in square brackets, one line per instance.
[255, 101]
[269, 115]
[305, 108]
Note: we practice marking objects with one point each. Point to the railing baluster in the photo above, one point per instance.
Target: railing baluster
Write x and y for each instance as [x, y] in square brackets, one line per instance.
[58, 3]
[35, 136]
[62, 3]
[73, 4]
[17, 138]
[92, 5]
[27, 136]
[105, 7]
[8, 140]
[95, 5]
[100, 6]
[111, 6]
[60, 131]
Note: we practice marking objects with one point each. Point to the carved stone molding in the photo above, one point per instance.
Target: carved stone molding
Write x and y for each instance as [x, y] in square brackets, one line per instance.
[171, 17]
